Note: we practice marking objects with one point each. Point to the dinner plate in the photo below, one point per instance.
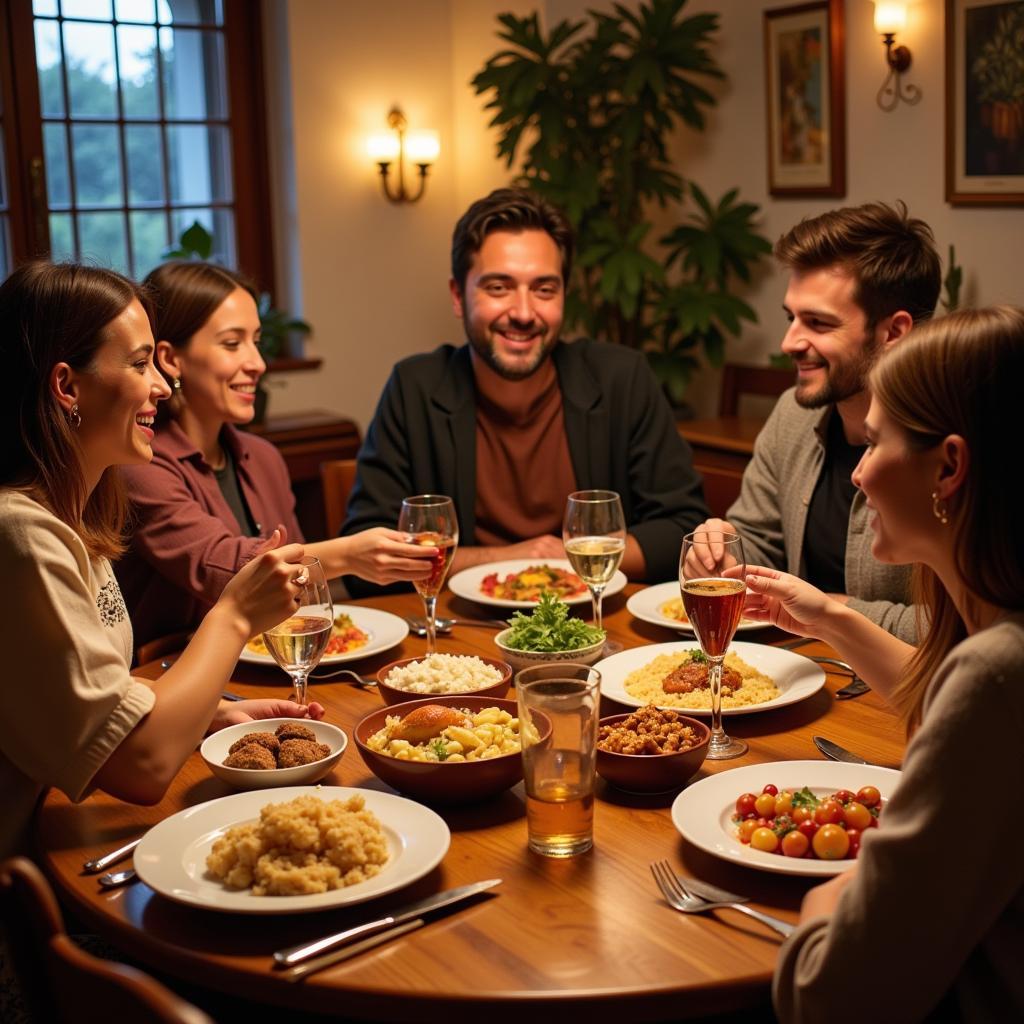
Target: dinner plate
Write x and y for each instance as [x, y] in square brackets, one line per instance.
[703, 812]
[171, 859]
[646, 604]
[467, 583]
[796, 677]
[384, 629]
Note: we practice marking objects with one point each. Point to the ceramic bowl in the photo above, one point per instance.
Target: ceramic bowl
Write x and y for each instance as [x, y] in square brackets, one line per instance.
[215, 749]
[653, 773]
[527, 659]
[394, 695]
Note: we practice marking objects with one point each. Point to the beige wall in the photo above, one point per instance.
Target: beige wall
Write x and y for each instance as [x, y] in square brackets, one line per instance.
[373, 275]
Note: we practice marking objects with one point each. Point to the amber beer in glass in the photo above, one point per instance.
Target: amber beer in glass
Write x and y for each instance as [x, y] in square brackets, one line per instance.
[429, 520]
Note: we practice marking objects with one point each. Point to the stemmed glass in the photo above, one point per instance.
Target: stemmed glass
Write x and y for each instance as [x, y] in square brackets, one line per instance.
[429, 520]
[298, 643]
[594, 534]
[712, 572]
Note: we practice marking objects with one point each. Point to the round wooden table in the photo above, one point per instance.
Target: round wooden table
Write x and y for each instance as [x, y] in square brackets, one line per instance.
[590, 934]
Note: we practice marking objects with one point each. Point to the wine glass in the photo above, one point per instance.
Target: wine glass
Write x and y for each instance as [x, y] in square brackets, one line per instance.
[298, 643]
[594, 534]
[429, 520]
[712, 573]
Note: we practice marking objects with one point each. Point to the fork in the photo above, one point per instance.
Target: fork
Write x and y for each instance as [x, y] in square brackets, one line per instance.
[354, 677]
[679, 898]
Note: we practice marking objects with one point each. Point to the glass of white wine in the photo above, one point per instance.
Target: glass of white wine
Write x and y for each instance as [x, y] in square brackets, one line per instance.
[594, 534]
[429, 520]
[298, 643]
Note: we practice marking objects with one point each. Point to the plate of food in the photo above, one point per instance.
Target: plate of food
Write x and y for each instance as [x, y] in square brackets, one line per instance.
[755, 677]
[374, 843]
[518, 583]
[662, 605]
[358, 632]
[710, 813]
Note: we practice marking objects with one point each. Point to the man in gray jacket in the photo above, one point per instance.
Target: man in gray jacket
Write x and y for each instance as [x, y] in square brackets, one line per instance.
[859, 279]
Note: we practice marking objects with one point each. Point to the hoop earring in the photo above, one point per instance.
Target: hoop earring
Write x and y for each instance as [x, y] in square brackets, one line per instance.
[939, 509]
[74, 417]
[176, 384]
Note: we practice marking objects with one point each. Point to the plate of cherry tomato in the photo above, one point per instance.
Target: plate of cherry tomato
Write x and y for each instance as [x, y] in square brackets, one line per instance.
[791, 817]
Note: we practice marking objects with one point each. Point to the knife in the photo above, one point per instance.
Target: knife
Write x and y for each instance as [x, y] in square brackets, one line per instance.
[296, 954]
[834, 752]
[707, 891]
[102, 863]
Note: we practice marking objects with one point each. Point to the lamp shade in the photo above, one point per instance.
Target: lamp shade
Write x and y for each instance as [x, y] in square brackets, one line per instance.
[383, 146]
[422, 147]
[890, 17]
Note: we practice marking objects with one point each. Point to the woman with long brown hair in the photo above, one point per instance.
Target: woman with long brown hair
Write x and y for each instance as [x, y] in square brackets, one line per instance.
[932, 918]
[77, 399]
[213, 493]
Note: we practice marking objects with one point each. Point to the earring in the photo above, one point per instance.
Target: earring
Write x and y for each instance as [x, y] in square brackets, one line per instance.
[176, 384]
[939, 509]
[74, 417]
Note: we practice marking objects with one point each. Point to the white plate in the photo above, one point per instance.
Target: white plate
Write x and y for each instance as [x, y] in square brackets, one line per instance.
[171, 859]
[646, 604]
[384, 629]
[796, 677]
[703, 812]
[467, 583]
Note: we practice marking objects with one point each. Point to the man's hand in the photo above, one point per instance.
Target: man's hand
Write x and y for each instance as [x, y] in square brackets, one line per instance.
[535, 549]
[703, 559]
[234, 712]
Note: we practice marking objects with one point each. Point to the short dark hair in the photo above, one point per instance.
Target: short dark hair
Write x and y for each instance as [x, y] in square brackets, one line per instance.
[891, 255]
[508, 209]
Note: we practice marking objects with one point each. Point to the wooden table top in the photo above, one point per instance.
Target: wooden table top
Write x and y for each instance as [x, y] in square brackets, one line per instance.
[591, 933]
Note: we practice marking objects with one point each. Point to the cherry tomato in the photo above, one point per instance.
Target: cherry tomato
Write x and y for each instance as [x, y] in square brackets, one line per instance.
[764, 839]
[869, 796]
[795, 844]
[745, 804]
[828, 812]
[746, 829]
[843, 796]
[854, 836]
[857, 816]
[766, 805]
[831, 842]
[800, 814]
[808, 827]
[771, 790]
[784, 803]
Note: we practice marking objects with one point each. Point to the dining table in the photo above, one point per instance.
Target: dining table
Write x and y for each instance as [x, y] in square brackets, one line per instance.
[588, 935]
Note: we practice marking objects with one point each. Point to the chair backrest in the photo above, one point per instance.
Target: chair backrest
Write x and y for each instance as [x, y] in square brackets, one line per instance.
[62, 982]
[336, 478]
[161, 645]
[738, 379]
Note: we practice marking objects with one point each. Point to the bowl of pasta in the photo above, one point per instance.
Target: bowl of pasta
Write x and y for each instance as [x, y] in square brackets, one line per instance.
[444, 750]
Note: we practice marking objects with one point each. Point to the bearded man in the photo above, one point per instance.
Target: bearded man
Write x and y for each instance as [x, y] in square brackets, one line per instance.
[514, 420]
[860, 277]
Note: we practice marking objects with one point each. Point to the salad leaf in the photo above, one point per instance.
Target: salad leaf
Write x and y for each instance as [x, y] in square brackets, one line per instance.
[440, 749]
[550, 627]
[805, 798]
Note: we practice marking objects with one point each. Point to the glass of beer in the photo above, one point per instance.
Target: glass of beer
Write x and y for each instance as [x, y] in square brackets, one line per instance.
[712, 573]
[594, 534]
[298, 643]
[429, 520]
[558, 715]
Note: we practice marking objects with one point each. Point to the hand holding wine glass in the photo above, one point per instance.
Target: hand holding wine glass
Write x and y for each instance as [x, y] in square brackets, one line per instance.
[298, 643]
[429, 520]
[712, 573]
[594, 533]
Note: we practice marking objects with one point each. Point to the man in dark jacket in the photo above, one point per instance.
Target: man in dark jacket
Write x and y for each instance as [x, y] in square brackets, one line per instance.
[509, 424]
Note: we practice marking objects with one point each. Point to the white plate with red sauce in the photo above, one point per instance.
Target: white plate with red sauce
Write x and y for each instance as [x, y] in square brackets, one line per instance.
[470, 582]
[648, 604]
[703, 812]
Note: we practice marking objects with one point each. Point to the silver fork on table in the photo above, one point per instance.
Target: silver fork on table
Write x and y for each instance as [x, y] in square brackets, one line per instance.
[679, 898]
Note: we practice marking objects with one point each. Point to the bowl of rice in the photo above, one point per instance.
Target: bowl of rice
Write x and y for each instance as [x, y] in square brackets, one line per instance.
[443, 675]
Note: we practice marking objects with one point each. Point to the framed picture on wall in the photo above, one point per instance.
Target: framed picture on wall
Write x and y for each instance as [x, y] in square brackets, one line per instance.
[805, 91]
[985, 102]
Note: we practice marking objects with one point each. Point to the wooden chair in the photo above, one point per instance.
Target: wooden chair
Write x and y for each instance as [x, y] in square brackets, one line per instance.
[62, 982]
[737, 379]
[336, 479]
[161, 645]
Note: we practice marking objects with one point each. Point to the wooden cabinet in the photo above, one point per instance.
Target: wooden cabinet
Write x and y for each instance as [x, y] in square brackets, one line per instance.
[722, 447]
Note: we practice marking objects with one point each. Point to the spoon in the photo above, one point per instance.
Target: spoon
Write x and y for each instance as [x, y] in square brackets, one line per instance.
[113, 879]
[418, 626]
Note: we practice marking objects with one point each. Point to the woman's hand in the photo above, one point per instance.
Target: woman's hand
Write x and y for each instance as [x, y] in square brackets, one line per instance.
[263, 592]
[786, 601]
[234, 712]
[381, 555]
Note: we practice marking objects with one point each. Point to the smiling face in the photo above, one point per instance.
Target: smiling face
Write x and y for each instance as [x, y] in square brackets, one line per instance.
[221, 364]
[513, 301]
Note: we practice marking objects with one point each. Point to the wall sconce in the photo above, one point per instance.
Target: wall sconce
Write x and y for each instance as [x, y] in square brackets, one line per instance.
[891, 18]
[422, 148]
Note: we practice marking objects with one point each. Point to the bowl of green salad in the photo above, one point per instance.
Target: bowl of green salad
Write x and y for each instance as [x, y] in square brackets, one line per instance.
[549, 634]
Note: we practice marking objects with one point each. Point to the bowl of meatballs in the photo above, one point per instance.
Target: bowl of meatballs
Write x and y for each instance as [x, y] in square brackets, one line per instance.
[273, 752]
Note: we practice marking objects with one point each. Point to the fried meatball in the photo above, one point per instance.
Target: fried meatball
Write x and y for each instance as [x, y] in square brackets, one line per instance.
[253, 755]
[295, 731]
[295, 752]
[262, 739]
[693, 675]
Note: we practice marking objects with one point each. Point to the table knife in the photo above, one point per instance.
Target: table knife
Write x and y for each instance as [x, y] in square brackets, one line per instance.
[296, 954]
[834, 752]
[707, 891]
[102, 863]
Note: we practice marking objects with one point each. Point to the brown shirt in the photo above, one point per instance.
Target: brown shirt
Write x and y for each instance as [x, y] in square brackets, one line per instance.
[523, 468]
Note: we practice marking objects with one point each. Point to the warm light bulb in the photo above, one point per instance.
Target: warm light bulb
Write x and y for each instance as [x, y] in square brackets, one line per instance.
[890, 17]
[422, 147]
[383, 147]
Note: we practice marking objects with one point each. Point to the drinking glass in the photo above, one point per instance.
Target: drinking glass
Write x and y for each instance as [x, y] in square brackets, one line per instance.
[594, 534]
[558, 717]
[429, 520]
[712, 573]
[298, 643]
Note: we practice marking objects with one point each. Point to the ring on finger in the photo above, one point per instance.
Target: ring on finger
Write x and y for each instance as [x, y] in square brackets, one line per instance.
[301, 579]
